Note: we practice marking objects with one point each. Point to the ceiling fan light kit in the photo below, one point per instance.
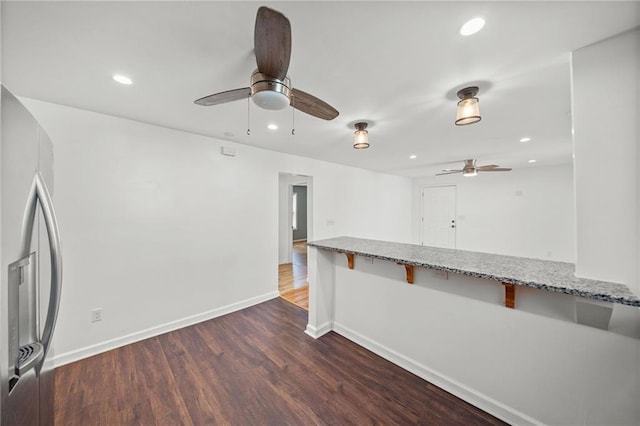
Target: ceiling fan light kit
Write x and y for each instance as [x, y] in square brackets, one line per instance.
[270, 93]
[470, 168]
[361, 136]
[468, 111]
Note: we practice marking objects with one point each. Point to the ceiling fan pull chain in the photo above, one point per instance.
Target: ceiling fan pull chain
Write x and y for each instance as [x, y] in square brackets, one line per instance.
[248, 115]
[293, 118]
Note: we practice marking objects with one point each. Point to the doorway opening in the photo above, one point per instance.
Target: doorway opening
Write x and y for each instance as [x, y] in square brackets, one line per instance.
[294, 228]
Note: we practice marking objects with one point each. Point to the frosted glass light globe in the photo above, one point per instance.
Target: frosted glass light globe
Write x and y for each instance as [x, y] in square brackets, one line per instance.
[268, 99]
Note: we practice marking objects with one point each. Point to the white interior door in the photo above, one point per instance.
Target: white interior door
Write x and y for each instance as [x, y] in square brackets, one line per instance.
[439, 216]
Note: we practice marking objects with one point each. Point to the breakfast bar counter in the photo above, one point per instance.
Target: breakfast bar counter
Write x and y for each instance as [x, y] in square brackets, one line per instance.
[520, 271]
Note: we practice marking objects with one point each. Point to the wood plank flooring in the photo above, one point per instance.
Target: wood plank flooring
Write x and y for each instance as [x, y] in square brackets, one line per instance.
[292, 277]
[298, 296]
[255, 366]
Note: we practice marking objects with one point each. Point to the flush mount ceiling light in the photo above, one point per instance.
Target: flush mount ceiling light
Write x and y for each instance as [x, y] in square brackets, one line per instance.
[468, 111]
[361, 136]
[272, 126]
[472, 26]
[122, 79]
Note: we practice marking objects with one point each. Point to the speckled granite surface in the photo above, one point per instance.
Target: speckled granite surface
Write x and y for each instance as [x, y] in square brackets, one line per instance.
[543, 274]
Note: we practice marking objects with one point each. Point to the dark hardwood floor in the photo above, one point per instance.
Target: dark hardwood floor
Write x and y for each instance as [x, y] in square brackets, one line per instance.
[255, 366]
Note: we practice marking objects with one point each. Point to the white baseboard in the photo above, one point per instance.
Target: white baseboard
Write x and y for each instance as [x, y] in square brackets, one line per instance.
[469, 395]
[320, 331]
[78, 354]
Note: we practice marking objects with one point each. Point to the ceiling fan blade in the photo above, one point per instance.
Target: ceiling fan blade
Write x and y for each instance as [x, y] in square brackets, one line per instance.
[311, 105]
[272, 41]
[492, 166]
[497, 169]
[450, 172]
[224, 97]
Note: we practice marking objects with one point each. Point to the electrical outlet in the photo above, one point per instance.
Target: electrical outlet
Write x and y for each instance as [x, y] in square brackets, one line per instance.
[96, 315]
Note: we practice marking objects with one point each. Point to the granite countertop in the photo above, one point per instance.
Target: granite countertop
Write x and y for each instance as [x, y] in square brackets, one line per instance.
[542, 274]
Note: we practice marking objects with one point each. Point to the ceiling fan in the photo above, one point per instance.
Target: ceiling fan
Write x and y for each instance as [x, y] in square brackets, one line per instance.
[270, 85]
[470, 169]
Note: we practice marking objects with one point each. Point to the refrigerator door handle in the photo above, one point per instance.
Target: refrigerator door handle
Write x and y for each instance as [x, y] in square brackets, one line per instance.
[40, 193]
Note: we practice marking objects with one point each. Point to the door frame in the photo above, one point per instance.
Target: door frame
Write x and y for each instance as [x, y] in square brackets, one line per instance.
[289, 239]
[455, 209]
[285, 237]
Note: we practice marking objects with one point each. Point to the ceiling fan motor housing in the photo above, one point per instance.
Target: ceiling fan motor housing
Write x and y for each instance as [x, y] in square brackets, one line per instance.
[269, 92]
[469, 168]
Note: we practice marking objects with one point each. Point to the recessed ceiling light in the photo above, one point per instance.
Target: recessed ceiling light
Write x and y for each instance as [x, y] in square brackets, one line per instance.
[532, 161]
[525, 139]
[122, 79]
[272, 126]
[472, 26]
[413, 156]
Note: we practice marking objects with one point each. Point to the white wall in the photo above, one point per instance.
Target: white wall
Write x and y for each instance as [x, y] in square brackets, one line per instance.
[149, 220]
[527, 212]
[605, 93]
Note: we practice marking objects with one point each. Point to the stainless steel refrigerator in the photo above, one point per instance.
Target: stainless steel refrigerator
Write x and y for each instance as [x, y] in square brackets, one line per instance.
[31, 268]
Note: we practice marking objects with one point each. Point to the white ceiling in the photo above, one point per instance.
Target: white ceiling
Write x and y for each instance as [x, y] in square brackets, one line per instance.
[397, 64]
